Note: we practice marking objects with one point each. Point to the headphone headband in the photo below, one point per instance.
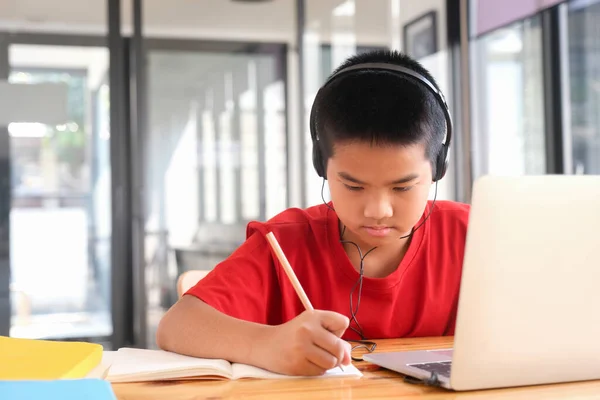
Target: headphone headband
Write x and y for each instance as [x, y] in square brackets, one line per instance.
[388, 67]
[442, 159]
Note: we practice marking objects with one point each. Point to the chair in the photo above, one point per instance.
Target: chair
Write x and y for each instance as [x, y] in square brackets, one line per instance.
[188, 279]
[23, 303]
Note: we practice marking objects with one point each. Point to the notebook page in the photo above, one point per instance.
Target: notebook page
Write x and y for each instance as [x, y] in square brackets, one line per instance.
[241, 371]
[143, 365]
[101, 369]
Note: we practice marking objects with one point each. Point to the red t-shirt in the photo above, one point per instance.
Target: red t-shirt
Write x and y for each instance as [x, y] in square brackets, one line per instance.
[418, 299]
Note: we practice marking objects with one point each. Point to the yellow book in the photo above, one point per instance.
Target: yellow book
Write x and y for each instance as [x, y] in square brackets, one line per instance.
[45, 359]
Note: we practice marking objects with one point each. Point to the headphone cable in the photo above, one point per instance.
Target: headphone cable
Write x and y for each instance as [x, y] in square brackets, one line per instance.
[359, 282]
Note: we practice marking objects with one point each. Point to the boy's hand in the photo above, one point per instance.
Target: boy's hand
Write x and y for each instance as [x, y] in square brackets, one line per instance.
[309, 344]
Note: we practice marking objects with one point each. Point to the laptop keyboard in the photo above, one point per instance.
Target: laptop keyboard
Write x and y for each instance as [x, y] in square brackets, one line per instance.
[440, 368]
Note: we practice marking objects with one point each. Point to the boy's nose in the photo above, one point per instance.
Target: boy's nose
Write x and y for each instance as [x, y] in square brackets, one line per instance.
[378, 208]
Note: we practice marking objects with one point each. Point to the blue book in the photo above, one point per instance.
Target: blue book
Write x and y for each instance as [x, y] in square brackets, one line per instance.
[63, 389]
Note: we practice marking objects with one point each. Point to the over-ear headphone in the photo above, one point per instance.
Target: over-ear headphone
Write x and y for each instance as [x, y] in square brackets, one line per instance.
[441, 162]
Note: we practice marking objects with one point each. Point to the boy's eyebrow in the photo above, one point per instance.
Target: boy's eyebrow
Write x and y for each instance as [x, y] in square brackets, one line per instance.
[405, 179]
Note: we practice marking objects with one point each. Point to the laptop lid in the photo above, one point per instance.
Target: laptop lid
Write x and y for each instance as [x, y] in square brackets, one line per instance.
[529, 307]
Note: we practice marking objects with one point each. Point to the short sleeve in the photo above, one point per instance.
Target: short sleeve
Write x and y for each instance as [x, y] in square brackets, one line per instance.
[245, 285]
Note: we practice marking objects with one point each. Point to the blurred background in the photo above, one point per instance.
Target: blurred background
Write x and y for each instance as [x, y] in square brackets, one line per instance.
[139, 137]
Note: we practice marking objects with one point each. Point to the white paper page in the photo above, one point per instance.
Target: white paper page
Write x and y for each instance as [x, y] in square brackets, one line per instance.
[249, 371]
[108, 357]
[101, 369]
[158, 364]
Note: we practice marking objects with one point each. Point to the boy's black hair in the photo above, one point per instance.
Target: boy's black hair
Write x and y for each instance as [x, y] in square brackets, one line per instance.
[380, 107]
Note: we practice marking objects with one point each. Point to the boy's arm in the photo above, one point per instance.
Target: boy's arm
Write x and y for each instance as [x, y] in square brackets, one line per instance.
[194, 328]
[309, 344]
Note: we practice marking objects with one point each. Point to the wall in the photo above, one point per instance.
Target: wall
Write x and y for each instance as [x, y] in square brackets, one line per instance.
[410, 10]
[438, 65]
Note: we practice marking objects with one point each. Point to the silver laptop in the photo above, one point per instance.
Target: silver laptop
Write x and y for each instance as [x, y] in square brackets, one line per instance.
[529, 306]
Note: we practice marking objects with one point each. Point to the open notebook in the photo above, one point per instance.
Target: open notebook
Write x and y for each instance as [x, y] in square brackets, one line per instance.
[101, 370]
[137, 365]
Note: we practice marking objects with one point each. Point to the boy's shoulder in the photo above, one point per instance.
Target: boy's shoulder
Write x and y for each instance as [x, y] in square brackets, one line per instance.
[296, 221]
[451, 207]
[450, 212]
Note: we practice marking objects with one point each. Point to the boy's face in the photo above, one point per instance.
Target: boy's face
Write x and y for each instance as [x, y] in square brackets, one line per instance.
[379, 192]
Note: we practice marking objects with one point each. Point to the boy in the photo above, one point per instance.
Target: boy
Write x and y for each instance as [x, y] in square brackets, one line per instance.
[378, 261]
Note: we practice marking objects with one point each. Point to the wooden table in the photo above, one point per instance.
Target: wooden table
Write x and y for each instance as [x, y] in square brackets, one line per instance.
[377, 383]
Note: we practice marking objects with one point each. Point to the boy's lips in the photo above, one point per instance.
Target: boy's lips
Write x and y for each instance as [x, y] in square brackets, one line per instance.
[377, 230]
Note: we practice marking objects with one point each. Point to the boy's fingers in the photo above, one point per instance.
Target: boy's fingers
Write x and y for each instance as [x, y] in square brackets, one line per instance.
[333, 345]
[347, 360]
[334, 322]
[321, 358]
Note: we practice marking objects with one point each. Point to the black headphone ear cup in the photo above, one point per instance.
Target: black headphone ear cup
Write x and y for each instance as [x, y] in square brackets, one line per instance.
[317, 155]
[441, 164]
[318, 162]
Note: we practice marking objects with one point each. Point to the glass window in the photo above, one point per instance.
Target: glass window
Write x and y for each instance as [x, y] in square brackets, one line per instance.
[275, 149]
[209, 167]
[60, 216]
[508, 105]
[249, 148]
[206, 171]
[584, 77]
